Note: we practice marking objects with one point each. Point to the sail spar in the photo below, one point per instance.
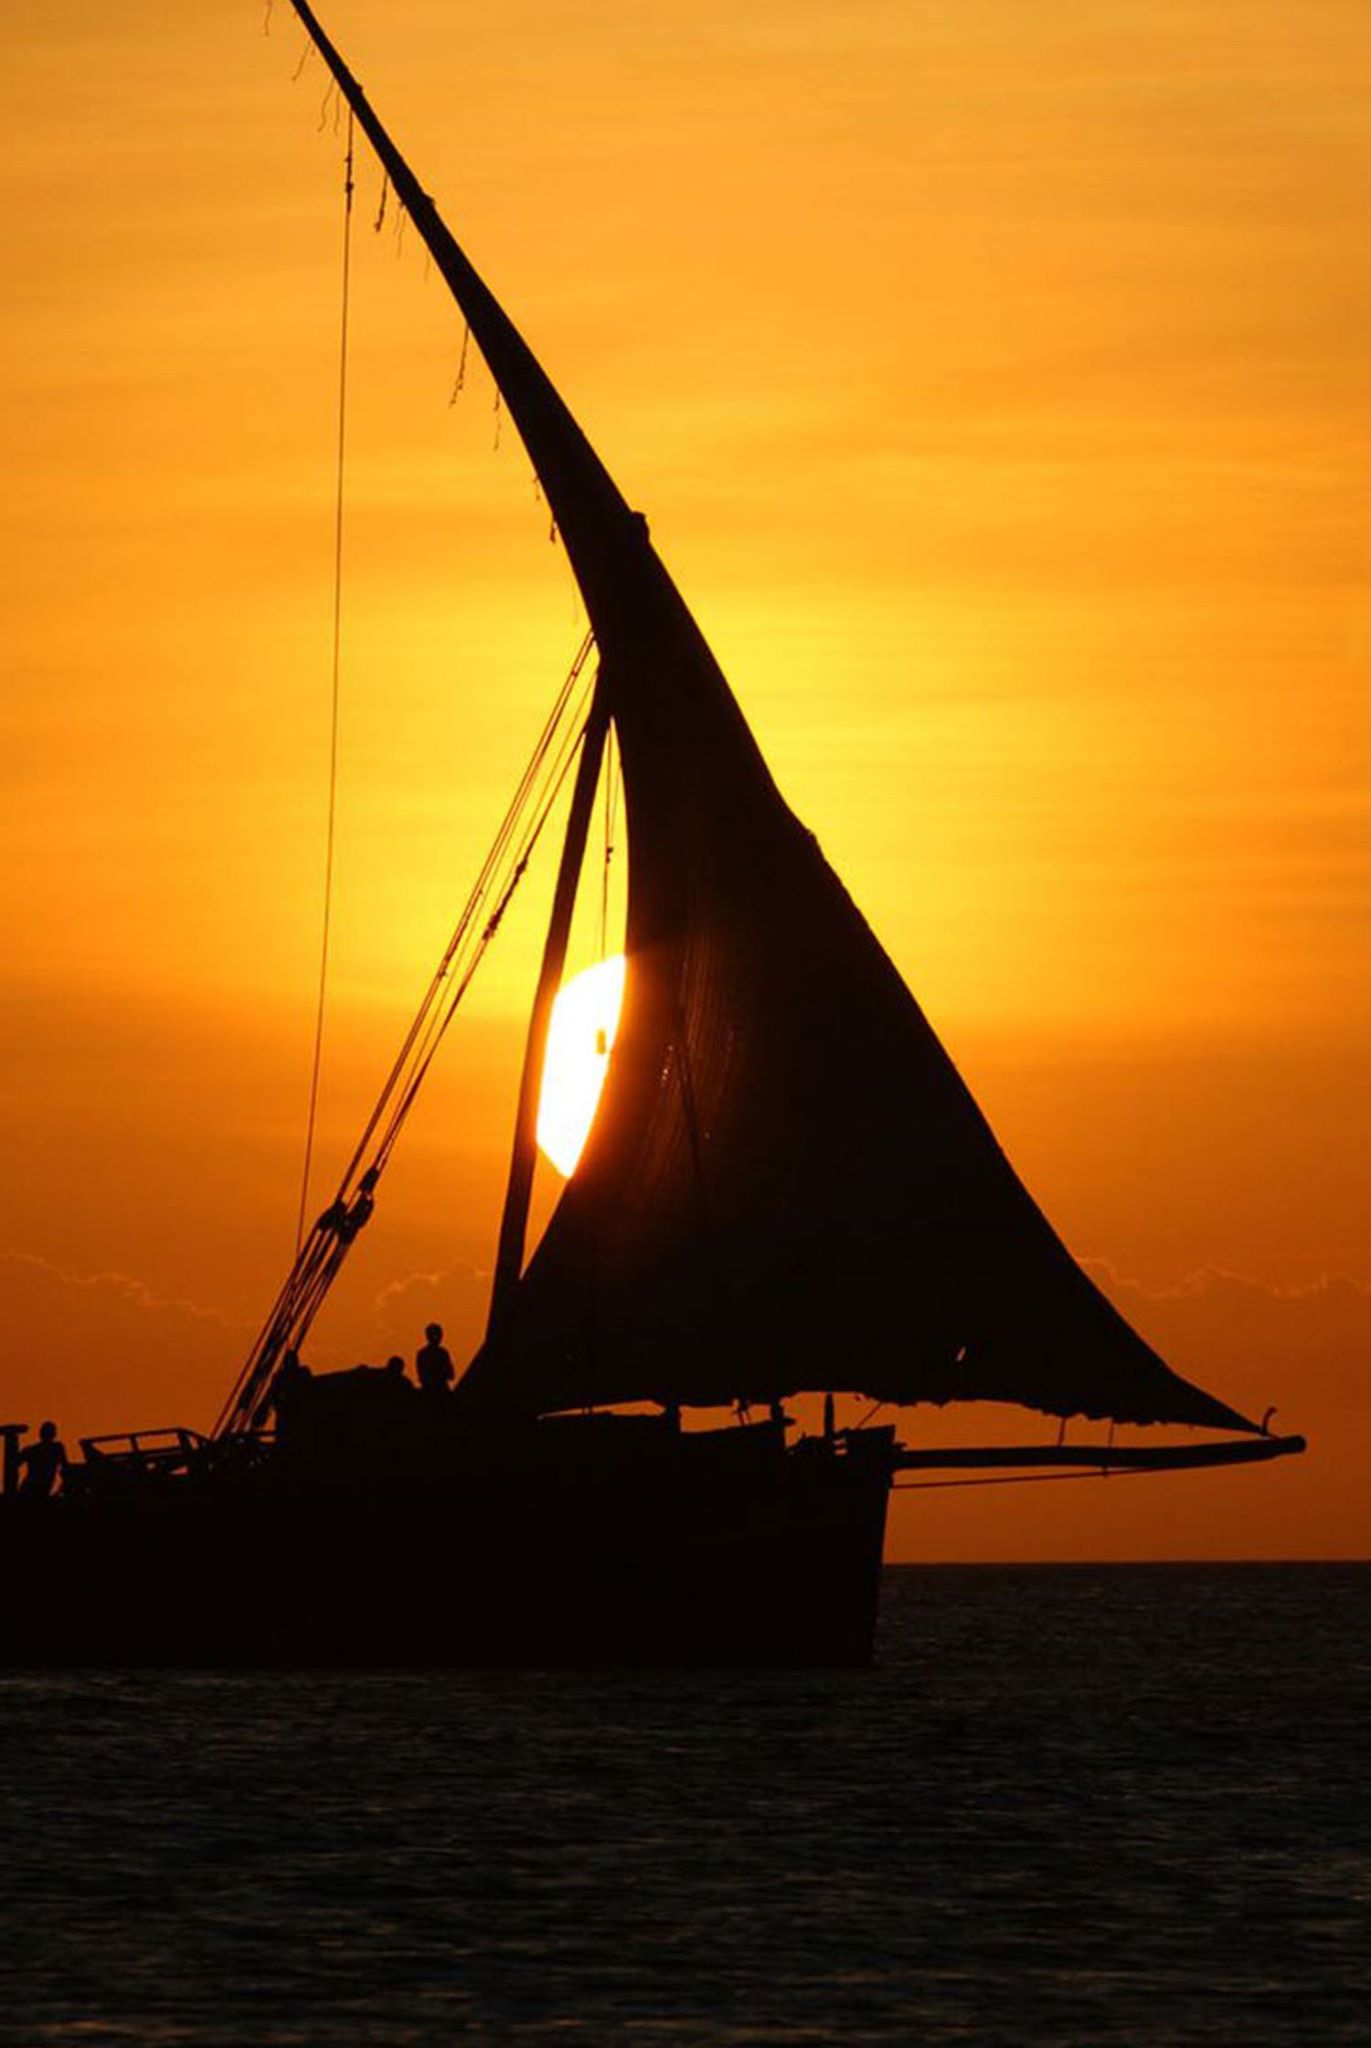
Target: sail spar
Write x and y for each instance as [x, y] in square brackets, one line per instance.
[788, 1185]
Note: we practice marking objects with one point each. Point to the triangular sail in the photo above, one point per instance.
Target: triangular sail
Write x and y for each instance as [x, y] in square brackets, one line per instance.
[788, 1186]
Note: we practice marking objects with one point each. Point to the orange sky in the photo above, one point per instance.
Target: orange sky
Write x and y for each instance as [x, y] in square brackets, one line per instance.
[995, 385]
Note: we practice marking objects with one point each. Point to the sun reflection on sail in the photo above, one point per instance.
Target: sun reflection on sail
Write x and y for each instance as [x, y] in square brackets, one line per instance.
[585, 1018]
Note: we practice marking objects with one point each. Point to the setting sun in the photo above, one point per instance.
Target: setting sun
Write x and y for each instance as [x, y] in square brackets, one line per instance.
[585, 1018]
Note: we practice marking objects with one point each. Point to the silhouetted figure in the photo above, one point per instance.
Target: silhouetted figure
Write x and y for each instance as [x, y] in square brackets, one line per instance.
[779, 1416]
[395, 1369]
[828, 1419]
[43, 1463]
[671, 1416]
[433, 1364]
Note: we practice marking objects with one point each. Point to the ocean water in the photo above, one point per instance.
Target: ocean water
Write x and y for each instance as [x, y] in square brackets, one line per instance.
[1070, 1805]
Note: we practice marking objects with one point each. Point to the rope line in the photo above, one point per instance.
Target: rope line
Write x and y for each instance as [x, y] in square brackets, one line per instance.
[1019, 1479]
[459, 382]
[327, 923]
[421, 1028]
[324, 1247]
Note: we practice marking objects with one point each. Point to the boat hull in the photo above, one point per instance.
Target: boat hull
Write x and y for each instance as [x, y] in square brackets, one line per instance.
[732, 1554]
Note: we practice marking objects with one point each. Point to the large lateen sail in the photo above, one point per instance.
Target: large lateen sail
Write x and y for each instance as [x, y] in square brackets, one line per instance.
[788, 1186]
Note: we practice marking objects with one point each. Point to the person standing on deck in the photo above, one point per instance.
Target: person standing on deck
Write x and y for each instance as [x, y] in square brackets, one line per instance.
[43, 1463]
[434, 1364]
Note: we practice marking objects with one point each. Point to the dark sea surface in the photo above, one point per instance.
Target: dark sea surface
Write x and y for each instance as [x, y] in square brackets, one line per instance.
[1071, 1804]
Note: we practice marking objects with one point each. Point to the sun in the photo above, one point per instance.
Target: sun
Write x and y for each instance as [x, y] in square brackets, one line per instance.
[585, 1017]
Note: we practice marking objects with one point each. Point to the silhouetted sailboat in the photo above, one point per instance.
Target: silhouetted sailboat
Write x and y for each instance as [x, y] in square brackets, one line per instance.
[787, 1188]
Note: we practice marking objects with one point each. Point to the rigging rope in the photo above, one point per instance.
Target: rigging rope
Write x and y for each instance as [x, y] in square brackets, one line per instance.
[1017, 1479]
[327, 923]
[461, 364]
[323, 1249]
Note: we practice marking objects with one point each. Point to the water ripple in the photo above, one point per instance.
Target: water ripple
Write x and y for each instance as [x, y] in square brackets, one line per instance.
[1069, 1806]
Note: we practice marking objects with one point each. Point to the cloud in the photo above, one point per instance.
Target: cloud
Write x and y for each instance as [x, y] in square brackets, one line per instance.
[1305, 1346]
[125, 1287]
[107, 1350]
[454, 1295]
[1215, 1280]
[397, 1293]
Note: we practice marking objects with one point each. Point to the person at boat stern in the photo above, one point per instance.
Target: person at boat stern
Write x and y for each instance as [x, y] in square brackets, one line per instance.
[43, 1464]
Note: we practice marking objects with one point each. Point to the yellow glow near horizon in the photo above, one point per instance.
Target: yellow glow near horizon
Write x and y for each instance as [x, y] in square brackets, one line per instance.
[585, 1018]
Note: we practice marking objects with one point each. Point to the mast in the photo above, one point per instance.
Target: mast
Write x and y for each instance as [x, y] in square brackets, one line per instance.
[509, 1257]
